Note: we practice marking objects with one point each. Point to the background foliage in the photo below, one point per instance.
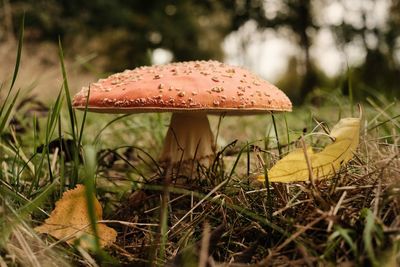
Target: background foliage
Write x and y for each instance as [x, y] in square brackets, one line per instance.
[124, 34]
[45, 149]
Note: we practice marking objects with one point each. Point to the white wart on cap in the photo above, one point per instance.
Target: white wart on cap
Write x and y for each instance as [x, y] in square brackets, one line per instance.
[209, 86]
[190, 90]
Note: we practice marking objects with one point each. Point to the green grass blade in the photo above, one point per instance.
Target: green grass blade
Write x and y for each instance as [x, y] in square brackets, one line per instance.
[19, 52]
[66, 89]
[38, 200]
[350, 87]
[237, 160]
[90, 163]
[164, 219]
[83, 119]
[239, 209]
[18, 58]
[368, 232]
[270, 204]
[276, 135]
[72, 118]
[384, 122]
[287, 130]
[4, 119]
[8, 190]
[51, 124]
[96, 139]
[61, 159]
[345, 234]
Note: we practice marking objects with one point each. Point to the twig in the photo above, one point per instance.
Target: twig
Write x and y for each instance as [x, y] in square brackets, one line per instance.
[267, 259]
[215, 189]
[335, 210]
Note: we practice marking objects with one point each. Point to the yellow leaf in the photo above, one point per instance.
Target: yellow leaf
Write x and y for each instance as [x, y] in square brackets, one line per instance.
[325, 164]
[70, 220]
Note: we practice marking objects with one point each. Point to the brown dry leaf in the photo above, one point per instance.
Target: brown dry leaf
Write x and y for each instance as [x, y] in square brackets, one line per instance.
[324, 164]
[70, 220]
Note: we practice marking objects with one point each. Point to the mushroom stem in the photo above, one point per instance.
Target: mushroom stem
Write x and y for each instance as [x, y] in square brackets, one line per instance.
[189, 138]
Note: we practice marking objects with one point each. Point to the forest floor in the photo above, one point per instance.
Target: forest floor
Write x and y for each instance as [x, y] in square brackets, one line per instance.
[227, 218]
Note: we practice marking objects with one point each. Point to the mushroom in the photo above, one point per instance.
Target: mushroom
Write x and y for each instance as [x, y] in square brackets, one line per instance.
[190, 90]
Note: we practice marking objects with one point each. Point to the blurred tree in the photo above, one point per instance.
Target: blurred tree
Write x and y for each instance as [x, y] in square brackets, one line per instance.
[380, 72]
[292, 18]
[6, 18]
[125, 31]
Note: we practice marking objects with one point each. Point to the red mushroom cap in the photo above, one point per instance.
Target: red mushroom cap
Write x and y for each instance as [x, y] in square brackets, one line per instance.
[208, 86]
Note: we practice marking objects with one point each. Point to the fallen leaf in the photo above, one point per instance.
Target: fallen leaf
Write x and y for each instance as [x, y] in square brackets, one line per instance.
[325, 164]
[70, 220]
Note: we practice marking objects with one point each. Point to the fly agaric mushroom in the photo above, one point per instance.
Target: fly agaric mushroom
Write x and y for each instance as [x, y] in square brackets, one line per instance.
[190, 90]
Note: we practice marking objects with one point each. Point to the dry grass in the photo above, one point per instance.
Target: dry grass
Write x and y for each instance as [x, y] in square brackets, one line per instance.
[326, 225]
[227, 218]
